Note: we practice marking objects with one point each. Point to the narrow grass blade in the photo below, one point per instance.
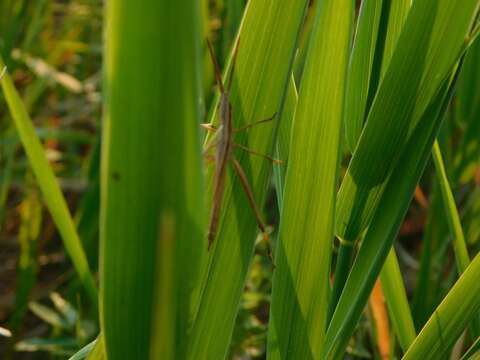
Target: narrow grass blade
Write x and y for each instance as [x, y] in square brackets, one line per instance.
[48, 184]
[233, 13]
[385, 225]
[424, 56]
[468, 151]
[150, 173]
[283, 139]
[87, 216]
[435, 243]
[469, 84]
[472, 219]
[451, 317]
[7, 155]
[31, 218]
[397, 14]
[473, 353]
[98, 351]
[453, 218]
[268, 36]
[397, 301]
[303, 42]
[301, 281]
[360, 69]
[466, 112]
[346, 251]
[84, 352]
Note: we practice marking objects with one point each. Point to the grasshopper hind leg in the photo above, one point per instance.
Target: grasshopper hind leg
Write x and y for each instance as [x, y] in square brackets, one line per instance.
[253, 205]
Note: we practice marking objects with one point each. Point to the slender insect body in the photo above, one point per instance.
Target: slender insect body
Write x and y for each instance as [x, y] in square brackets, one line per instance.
[224, 153]
[224, 145]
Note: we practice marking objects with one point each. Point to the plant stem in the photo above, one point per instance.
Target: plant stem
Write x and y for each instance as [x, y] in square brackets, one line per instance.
[344, 260]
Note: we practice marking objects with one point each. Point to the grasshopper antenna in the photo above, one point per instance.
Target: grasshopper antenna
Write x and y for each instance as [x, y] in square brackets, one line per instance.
[218, 73]
[234, 61]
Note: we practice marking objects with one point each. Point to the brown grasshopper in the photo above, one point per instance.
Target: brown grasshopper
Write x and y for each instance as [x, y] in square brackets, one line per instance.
[224, 152]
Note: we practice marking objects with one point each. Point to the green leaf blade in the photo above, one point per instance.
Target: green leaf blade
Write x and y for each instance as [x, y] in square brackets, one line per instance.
[268, 36]
[48, 184]
[151, 176]
[424, 56]
[360, 69]
[301, 280]
[451, 317]
[385, 225]
[397, 301]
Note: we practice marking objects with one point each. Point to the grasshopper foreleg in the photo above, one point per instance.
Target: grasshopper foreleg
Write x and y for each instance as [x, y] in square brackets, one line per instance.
[244, 148]
[248, 126]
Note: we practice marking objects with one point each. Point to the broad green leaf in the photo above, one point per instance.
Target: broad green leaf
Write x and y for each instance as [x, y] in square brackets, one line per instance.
[431, 42]
[151, 178]
[48, 184]
[162, 342]
[385, 225]
[265, 55]
[301, 281]
[451, 317]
